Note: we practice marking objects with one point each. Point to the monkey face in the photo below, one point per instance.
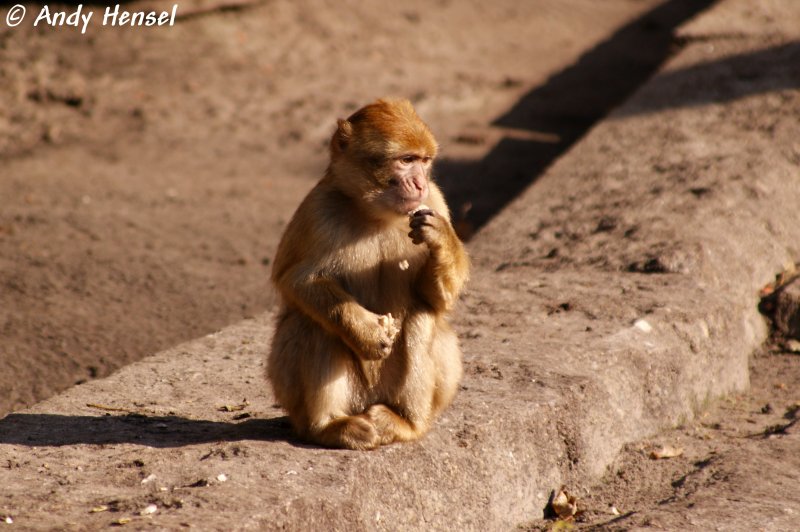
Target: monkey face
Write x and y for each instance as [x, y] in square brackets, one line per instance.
[382, 156]
[407, 186]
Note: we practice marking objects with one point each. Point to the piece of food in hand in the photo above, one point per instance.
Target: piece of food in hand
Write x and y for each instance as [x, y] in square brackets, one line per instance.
[422, 207]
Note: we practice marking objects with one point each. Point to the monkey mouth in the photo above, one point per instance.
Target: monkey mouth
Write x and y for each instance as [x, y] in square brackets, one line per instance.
[411, 202]
[410, 205]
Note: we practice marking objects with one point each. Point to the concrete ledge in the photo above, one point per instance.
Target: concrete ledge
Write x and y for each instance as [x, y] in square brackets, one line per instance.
[611, 299]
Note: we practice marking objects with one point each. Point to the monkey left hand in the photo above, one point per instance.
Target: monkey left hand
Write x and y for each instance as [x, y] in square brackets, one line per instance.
[427, 226]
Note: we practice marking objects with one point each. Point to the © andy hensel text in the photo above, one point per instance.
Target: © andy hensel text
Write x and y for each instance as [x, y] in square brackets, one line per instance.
[112, 16]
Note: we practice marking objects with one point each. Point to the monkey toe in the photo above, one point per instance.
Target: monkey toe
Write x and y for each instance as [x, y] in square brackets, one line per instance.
[360, 433]
[391, 426]
[382, 419]
[351, 432]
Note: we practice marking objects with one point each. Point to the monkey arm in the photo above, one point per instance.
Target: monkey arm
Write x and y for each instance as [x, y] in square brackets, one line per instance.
[325, 301]
[443, 276]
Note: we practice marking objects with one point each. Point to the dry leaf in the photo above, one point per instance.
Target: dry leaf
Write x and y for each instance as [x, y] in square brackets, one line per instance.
[234, 408]
[789, 273]
[97, 509]
[564, 504]
[666, 451]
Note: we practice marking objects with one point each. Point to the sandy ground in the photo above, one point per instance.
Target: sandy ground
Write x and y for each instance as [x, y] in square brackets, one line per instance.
[147, 173]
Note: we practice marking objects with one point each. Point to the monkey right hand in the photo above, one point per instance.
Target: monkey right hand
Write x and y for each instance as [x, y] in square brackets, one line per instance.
[377, 337]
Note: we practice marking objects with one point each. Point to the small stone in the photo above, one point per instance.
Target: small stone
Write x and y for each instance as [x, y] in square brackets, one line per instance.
[149, 509]
[666, 451]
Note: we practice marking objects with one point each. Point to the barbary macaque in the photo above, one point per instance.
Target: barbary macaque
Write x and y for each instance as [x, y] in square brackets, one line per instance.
[368, 269]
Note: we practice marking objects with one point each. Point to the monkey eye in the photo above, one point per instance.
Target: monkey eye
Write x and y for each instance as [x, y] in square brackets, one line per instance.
[408, 159]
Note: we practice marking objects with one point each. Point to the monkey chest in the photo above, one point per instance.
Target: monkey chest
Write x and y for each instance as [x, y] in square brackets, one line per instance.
[386, 284]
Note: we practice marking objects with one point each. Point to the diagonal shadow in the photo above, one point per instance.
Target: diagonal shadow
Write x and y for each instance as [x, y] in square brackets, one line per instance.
[724, 80]
[564, 108]
[54, 430]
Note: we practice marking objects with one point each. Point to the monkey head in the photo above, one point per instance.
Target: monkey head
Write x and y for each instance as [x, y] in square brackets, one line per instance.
[381, 156]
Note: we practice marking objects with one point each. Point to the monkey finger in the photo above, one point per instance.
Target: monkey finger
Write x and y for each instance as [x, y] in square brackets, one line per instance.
[422, 214]
[386, 350]
[416, 237]
[420, 222]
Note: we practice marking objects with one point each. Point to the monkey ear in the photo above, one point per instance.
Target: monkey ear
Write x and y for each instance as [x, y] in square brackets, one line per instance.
[341, 138]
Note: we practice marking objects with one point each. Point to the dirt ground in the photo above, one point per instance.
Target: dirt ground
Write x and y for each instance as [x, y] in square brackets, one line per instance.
[737, 469]
[146, 175]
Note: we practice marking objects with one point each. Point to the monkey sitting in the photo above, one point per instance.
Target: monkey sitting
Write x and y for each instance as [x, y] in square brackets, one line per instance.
[367, 273]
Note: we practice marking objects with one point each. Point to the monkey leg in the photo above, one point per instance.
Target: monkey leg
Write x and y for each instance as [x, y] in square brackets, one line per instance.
[313, 377]
[418, 384]
[350, 432]
[446, 354]
[392, 427]
[332, 395]
[334, 391]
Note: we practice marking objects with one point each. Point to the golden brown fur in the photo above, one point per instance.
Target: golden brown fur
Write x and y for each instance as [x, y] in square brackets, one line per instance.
[351, 257]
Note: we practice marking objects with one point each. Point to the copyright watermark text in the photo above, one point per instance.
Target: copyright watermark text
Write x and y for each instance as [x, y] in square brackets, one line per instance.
[15, 15]
[81, 19]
